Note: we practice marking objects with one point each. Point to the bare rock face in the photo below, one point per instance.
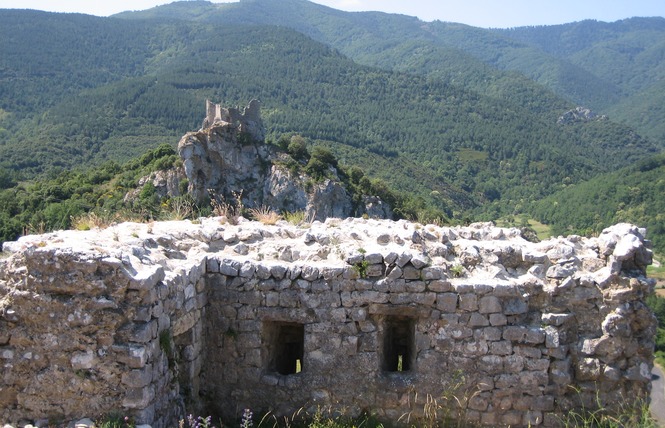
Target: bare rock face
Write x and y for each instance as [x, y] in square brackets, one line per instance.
[228, 155]
[579, 114]
[165, 182]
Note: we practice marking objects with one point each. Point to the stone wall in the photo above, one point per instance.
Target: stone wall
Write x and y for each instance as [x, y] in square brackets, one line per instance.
[161, 319]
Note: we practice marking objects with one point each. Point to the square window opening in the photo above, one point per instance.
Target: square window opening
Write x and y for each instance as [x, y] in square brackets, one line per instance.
[286, 347]
[398, 344]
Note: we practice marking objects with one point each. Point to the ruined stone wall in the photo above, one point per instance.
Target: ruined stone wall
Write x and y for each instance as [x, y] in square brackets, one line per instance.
[155, 320]
[249, 121]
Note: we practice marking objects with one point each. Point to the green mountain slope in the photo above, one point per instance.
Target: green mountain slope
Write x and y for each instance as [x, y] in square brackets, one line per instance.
[45, 56]
[629, 55]
[456, 141]
[634, 194]
[589, 63]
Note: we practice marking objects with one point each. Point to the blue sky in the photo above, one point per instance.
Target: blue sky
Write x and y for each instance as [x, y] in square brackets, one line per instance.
[480, 13]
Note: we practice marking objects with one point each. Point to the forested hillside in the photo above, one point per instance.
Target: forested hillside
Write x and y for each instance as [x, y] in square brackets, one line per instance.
[605, 66]
[485, 147]
[433, 119]
[633, 194]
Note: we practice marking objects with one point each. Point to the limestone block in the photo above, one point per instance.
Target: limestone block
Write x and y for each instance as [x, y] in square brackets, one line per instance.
[503, 347]
[375, 270]
[374, 258]
[479, 402]
[83, 423]
[83, 360]
[511, 418]
[491, 364]
[423, 299]
[390, 258]
[246, 270]
[403, 259]
[506, 381]
[309, 273]
[278, 271]
[534, 256]
[626, 247]
[394, 273]
[498, 320]
[262, 272]
[138, 378]
[212, 265]
[419, 261]
[478, 320]
[447, 302]
[138, 398]
[561, 271]
[186, 322]
[416, 286]
[488, 419]
[504, 290]
[439, 286]
[488, 333]
[555, 319]
[229, 267]
[489, 304]
[474, 348]
[294, 271]
[432, 273]
[410, 273]
[515, 306]
[144, 332]
[588, 369]
[468, 302]
[559, 252]
[401, 298]
[541, 364]
[616, 325]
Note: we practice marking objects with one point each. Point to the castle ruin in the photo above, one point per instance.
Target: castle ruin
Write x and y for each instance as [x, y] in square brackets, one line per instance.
[159, 320]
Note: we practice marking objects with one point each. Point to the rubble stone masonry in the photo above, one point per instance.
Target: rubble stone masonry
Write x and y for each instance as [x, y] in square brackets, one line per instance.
[162, 319]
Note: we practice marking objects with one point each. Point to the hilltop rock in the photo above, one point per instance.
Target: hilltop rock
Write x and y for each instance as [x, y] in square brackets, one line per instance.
[228, 155]
[579, 114]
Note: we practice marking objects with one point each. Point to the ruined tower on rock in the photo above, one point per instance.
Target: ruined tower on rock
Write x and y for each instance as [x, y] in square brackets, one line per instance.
[248, 122]
[229, 155]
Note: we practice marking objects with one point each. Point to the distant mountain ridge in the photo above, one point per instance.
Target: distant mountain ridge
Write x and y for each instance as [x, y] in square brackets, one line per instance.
[420, 105]
[594, 64]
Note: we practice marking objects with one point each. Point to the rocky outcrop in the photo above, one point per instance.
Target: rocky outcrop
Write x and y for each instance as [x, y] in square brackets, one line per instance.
[164, 318]
[229, 155]
[579, 114]
[167, 183]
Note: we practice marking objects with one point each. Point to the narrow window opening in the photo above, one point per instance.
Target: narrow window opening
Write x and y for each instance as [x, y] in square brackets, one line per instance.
[398, 344]
[288, 348]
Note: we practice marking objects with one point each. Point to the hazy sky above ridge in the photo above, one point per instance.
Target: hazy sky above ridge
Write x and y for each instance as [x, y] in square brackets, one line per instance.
[479, 13]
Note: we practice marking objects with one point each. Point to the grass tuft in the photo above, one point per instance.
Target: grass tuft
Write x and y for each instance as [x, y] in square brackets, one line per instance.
[265, 215]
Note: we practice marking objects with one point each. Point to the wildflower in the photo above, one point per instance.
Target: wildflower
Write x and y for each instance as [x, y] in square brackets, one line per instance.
[246, 419]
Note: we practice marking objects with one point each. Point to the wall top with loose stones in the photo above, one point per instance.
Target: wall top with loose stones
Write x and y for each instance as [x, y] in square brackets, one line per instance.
[479, 254]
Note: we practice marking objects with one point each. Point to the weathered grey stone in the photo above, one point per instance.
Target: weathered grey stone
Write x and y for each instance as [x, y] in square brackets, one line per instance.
[468, 302]
[229, 267]
[498, 320]
[83, 360]
[138, 398]
[212, 329]
[138, 378]
[489, 304]
[514, 306]
[447, 302]
[478, 320]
